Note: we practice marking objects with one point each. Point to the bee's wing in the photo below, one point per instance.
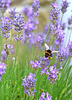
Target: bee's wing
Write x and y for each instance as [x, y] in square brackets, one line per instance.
[46, 46]
[55, 51]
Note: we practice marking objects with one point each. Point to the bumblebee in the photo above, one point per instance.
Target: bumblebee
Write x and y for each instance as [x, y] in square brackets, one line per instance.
[48, 52]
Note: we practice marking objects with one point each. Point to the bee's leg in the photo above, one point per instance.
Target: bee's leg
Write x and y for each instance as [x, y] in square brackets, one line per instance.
[50, 58]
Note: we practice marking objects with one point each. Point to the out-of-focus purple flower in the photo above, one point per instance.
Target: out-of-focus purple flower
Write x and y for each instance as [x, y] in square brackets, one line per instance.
[18, 38]
[6, 35]
[3, 55]
[59, 37]
[12, 14]
[27, 11]
[54, 15]
[70, 48]
[5, 52]
[32, 40]
[53, 73]
[42, 96]
[54, 5]
[29, 83]
[35, 65]
[26, 38]
[64, 6]
[35, 7]
[6, 26]
[63, 54]
[48, 96]
[44, 62]
[63, 26]
[39, 41]
[4, 4]
[29, 27]
[2, 69]
[18, 23]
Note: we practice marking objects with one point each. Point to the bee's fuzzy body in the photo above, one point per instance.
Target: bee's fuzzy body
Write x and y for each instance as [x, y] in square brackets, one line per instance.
[48, 53]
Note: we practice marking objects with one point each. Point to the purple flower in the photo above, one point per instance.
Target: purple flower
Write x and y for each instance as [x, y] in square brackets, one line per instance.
[64, 6]
[27, 11]
[12, 14]
[35, 65]
[35, 7]
[2, 69]
[55, 5]
[18, 23]
[5, 52]
[63, 26]
[44, 62]
[18, 37]
[54, 15]
[42, 96]
[29, 83]
[4, 4]
[6, 26]
[48, 96]
[29, 26]
[39, 41]
[26, 38]
[53, 73]
[63, 54]
[70, 48]
[3, 55]
[6, 35]
[59, 37]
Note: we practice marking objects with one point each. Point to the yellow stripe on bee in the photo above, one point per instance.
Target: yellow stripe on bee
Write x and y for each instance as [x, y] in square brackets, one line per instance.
[48, 53]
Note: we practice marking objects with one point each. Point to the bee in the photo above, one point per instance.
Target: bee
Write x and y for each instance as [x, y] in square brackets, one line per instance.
[48, 52]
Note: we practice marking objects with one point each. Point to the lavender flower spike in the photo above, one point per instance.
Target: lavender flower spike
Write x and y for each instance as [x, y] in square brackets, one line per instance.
[12, 14]
[48, 97]
[4, 4]
[2, 69]
[29, 83]
[18, 23]
[35, 65]
[6, 25]
[35, 7]
[64, 5]
[53, 73]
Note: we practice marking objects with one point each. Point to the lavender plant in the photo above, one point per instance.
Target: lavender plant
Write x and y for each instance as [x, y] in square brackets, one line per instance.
[40, 68]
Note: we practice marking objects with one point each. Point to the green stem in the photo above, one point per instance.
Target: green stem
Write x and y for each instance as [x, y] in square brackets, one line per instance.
[10, 47]
[51, 88]
[6, 56]
[16, 51]
[62, 18]
[70, 34]
[51, 39]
